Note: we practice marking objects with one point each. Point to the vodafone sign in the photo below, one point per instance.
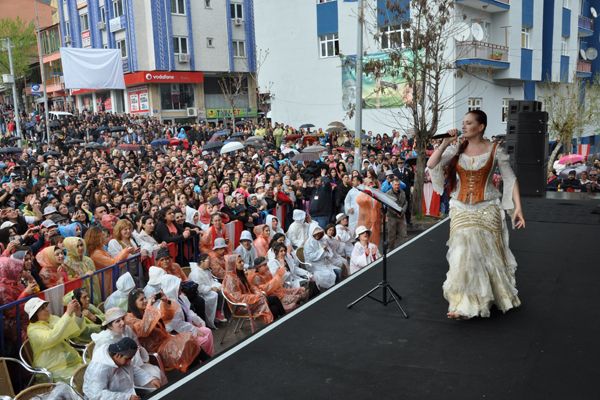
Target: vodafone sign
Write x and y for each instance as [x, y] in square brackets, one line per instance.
[137, 78]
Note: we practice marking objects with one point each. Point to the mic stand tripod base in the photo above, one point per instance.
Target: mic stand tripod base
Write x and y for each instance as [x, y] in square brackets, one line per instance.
[387, 289]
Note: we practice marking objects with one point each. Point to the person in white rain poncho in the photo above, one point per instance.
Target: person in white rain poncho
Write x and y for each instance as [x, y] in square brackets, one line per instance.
[118, 298]
[318, 256]
[246, 249]
[209, 289]
[364, 252]
[344, 234]
[350, 205]
[111, 374]
[295, 277]
[113, 330]
[273, 223]
[298, 231]
[184, 319]
[153, 285]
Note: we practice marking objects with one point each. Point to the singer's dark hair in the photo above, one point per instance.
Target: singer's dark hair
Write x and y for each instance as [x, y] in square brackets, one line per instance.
[481, 118]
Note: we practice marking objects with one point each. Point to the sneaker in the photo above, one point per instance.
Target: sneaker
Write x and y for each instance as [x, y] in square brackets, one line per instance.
[219, 317]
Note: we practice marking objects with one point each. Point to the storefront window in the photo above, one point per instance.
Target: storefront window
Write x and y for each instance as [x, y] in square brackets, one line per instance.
[176, 96]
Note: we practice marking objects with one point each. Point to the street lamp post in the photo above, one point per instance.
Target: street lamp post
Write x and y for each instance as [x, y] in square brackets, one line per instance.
[359, 70]
[42, 71]
[14, 85]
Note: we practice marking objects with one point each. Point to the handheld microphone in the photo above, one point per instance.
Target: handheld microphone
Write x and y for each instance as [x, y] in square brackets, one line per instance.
[445, 135]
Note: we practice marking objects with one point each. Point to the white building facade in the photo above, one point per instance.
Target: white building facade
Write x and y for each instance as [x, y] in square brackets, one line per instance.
[506, 49]
[173, 53]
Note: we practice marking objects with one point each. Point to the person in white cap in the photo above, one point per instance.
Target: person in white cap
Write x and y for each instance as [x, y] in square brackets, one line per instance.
[298, 231]
[153, 285]
[113, 330]
[217, 258]
[317, 255]
[343, 234]
[48, 337]
[364, 252]
[246, 249]
[209, 289]
[118, 298]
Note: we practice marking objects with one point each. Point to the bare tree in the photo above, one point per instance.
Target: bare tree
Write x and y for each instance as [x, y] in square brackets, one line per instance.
[264, 93]
[571, 107]
[423, 63]
[233, 86]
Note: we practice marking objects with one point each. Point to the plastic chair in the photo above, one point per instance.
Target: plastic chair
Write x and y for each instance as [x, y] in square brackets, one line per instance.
[34, 391]
[77, 379]
[26, 353]
[186, 270]
[88, 352]
[6, 386]
[239, 311]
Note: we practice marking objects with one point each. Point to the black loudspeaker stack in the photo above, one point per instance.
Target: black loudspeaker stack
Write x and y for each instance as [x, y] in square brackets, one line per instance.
[527, 145]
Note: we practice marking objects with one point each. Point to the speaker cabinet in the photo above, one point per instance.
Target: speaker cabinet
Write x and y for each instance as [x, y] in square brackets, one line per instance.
[528, 158]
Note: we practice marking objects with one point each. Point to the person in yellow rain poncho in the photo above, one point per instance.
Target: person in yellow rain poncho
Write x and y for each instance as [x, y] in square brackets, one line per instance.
[48, 336]
[92, 316]
[80, 265]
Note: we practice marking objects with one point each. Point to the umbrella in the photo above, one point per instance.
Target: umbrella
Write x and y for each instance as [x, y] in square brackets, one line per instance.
[306, 157]
[254, 139]
[74, 141]
[337, 124]
[231, 147]
[310, 138]
[578, 170]
[212, 146]
[52, 153]
[10, 150]
[233, 140]
[237, 135]
[94, 145]
[317, 148]
[129, 147]
[286, 151]
[257, 143]
[571, 159]
[306, 126]
[159, 142]
[293, 136]
[334, 129]
[239, 123]
[343, 149]
[186, 127]
[118, 129]
[224, 132]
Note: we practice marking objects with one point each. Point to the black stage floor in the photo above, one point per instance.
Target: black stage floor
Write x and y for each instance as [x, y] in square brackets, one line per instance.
[547, 349]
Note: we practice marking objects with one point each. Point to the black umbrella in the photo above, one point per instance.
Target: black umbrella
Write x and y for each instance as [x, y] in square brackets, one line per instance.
[240, 123]
[10, 150]
[213, 146]
[306, 126]
[74, 141]
[94, 145]
[237, 135]
[118, 129]
[186, 127]
[52, 153]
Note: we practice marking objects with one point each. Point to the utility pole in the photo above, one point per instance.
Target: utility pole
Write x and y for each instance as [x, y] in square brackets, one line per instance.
[359, 71]
[42, 71]
[14, 85]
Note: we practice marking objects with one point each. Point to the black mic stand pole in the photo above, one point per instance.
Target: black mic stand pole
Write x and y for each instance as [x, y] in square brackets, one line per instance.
[384, 284]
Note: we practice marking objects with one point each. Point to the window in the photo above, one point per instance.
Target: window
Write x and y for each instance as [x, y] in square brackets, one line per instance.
[236, 10]
[525, 32]
[176, 96]
[474, 103]
[180, 45]
[393, 37]
[84, 22]
[210, 42]
[67, 28]
[117, 8]
[239, 48]
[178, 7]
[564, 46]
[330, 45]
[123, 47]
[103, 14]
[505, 109]
[207, 4]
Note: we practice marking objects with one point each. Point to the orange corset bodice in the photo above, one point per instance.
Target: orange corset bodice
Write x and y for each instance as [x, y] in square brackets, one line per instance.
[473, 182]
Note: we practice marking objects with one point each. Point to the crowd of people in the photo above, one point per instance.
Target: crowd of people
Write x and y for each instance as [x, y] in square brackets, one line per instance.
[111, 188]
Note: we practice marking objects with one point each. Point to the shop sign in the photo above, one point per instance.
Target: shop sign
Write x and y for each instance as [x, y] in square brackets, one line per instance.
[115, 24]
[86, 39]
[217, 113]
[139, 101]
[163, 77]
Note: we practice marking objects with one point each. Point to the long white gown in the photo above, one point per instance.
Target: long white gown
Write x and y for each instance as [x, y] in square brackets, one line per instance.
[481, 266]
[350, 203]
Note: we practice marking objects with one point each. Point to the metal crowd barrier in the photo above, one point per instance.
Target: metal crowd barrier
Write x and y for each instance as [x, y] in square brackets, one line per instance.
[132, 265]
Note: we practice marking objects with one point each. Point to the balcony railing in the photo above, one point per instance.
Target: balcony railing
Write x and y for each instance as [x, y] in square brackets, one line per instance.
[585, 23]
[481, 50]
[584, 66]
[54, 84]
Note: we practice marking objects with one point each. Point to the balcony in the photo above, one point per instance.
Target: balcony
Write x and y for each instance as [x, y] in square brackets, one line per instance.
[55, 84]
[481, 55]
[585, 26]
[584, 69]
[490, 6]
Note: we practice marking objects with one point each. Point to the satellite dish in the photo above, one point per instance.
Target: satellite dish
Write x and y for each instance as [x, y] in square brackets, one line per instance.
[583, 54]
[594, 12]
[477, 31]
[591, 53]
[463, 32]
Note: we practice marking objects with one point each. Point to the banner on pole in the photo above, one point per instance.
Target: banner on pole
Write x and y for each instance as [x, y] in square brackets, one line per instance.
[92, 68]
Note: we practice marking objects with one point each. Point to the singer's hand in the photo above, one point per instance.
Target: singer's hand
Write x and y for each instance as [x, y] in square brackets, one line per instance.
[453, 136]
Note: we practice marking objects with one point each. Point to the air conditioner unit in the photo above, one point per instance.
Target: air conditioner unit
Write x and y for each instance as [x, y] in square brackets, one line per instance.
[68, 40]
[237, 21]
[101, 25]
[192, 112]
[184, 58]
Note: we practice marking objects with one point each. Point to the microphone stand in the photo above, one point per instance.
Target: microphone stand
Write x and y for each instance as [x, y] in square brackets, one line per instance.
[383, 284]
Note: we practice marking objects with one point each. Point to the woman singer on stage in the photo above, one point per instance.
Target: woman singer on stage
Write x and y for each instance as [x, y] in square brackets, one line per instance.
[482, 267]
